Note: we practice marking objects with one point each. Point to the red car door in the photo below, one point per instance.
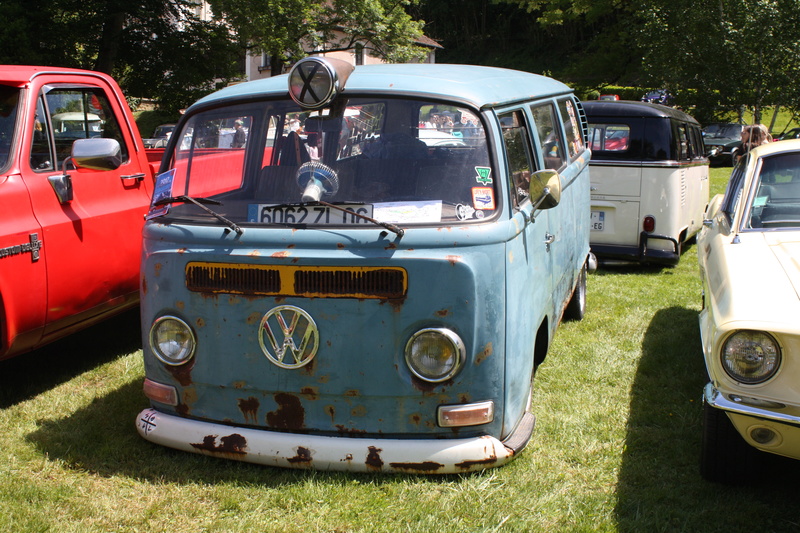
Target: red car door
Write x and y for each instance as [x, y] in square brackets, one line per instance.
[92, 243]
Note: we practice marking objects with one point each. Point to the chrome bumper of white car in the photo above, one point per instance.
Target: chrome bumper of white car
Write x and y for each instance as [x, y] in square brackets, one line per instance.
[292, 450]
[749, 406]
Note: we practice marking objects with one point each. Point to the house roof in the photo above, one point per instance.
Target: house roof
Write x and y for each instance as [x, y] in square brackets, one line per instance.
[424, 40]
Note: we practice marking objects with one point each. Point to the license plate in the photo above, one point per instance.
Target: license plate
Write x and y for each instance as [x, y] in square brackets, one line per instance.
[315, 215]
[598, 220]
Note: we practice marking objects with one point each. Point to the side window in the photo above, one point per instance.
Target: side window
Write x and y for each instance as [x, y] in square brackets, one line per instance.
[609, 137]
[572, 127]
[733, 194]
[684, 143]
[42, 156]
[71, 114]
[549, 136]
[520, 162]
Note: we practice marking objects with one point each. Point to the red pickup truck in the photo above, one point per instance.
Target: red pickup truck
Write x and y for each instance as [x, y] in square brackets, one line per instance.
[75, 183]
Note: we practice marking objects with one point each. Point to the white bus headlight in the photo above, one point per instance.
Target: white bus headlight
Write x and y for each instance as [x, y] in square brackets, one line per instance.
[435, 354]
[172, 340]
[751, 356]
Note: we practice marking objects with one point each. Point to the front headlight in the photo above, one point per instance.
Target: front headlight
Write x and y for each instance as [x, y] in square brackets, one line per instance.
[172, 340]
[435, 354]
[751, 356]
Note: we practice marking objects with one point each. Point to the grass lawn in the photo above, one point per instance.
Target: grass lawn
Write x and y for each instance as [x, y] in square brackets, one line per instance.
[616, 444]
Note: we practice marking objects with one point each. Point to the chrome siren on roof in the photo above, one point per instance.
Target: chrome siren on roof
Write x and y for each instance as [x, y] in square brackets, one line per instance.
[315, 81]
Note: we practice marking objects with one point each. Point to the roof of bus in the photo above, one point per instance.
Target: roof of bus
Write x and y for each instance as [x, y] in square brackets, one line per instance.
[631, 108]
[475, 85]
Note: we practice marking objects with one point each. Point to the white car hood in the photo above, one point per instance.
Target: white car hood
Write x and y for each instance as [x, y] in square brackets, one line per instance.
[759, 283]
[785, 248]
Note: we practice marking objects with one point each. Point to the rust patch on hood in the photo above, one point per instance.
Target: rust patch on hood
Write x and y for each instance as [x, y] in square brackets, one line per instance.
[182, 373]
[230, 444]
[249, 408]
[290, 413]
[483, 355]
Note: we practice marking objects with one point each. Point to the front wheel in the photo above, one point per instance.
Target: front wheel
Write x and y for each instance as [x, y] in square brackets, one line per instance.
[576, 307]
[725, 456]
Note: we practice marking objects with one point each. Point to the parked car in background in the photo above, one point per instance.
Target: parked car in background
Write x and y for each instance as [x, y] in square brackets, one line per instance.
[649, 181]
[160, 136]
[749, 257]
[75, 184]
[609, 97]
[723, 142]
[793, 133]
[659, 96]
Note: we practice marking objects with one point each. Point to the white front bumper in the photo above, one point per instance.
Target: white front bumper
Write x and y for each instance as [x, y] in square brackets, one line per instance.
[293, 450]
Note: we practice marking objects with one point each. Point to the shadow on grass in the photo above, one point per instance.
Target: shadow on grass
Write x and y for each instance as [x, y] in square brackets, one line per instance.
[30, 374]
[659, 487]
[101, 438]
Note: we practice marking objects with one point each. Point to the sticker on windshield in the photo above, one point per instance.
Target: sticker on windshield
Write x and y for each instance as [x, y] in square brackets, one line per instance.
[484, 175]
[464, 212]
[409, 212]
[483, 198]
[162, 190]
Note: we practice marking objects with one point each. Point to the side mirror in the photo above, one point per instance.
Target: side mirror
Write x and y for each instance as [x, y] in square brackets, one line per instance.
[545, 189]
[97, 154]
[712, 210]
[94, 154]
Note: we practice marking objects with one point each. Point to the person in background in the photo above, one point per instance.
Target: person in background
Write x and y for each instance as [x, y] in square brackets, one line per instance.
[753, 136]
[239, 136]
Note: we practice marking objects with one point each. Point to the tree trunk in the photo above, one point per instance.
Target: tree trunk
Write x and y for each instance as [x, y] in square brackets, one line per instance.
[109, 42]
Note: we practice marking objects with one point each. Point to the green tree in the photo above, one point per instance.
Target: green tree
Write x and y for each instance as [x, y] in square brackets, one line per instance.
[288, 30]
[154, 48]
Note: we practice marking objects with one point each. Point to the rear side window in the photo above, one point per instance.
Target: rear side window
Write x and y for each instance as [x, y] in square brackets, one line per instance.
[549, 134]
[572, 128]
[609, 137]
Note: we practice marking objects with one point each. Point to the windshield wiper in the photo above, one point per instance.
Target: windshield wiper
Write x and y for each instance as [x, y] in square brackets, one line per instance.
[199, 203]
[391, 227]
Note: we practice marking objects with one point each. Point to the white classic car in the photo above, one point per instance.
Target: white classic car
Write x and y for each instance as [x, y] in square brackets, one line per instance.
[749, 254]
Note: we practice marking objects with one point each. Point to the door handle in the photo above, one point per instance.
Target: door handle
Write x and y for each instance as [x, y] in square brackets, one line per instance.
[549, 239]
[137, 177]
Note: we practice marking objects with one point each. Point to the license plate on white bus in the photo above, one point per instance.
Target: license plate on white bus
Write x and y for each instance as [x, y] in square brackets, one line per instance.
[309, 214]
[598, 220]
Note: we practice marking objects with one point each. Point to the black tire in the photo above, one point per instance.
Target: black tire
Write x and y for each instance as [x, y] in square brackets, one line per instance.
[725, 456]
[576, 307]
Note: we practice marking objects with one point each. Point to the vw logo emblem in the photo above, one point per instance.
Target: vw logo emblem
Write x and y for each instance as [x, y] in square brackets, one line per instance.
[288, 336]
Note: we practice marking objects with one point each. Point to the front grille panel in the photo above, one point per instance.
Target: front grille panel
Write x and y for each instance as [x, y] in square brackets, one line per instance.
[383, 283]
[210, 277]
[308, 282]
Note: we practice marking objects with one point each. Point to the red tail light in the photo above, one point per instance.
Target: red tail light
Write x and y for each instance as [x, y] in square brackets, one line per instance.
[649, 223]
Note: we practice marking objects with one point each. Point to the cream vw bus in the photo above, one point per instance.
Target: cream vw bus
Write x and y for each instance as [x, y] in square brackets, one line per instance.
[649, 181]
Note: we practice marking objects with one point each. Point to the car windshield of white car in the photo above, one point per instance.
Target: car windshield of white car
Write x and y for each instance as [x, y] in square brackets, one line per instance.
[776, 202]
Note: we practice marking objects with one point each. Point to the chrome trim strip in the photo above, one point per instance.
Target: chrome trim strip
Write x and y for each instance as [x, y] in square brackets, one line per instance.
[718, 400]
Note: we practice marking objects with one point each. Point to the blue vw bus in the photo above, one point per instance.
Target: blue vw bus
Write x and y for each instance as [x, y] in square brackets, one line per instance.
[368, 276]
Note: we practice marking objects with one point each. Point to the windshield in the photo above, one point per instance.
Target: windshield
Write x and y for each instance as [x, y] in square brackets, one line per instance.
[776, 202]
[395, 160]
[9, 99]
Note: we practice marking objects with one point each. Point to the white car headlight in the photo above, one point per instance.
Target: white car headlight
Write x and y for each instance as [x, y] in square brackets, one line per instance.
[172, 340]
[751, 356]
[435, 354]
